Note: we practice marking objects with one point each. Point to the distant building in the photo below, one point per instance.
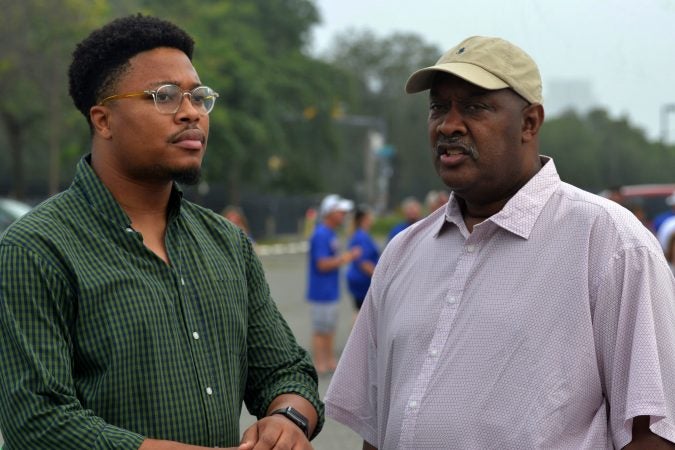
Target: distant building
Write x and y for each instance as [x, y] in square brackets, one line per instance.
[565, 95]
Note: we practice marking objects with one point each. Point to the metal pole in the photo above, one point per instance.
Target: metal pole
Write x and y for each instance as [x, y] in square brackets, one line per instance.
[665, 110]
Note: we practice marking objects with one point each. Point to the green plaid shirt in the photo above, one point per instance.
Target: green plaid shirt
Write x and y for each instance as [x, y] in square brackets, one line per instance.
[103, 343]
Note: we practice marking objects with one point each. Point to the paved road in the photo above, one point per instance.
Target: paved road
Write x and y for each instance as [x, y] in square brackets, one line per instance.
[286, 276]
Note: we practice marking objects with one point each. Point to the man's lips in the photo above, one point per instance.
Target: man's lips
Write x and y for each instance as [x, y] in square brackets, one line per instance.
[453, 152]
[192, 139]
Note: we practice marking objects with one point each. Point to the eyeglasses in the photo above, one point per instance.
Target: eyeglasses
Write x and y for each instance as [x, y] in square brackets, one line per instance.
[169, 97]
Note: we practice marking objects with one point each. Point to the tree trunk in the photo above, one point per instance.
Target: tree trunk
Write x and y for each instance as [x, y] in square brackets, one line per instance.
[14, 137]
[54, 147]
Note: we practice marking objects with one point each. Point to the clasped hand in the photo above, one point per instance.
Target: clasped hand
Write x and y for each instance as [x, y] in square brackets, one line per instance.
[274, 432]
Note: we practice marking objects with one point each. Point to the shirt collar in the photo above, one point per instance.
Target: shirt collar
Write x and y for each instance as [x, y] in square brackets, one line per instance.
[521, 211]
[97, 195]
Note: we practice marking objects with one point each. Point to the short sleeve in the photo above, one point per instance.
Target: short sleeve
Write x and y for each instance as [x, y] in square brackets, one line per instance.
[634, 327]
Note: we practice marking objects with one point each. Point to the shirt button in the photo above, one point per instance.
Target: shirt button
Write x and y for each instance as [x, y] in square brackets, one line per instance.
[129, 230]
[433, 352]
[451, 300]
[412, 404]
[195, 335]
[209, 391]
[182, 281]
[470, 248]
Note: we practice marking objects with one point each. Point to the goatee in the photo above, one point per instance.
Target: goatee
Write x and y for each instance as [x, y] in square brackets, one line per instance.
[187, 177]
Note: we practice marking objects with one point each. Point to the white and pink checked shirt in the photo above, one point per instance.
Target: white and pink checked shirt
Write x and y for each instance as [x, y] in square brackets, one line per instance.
[550, 326]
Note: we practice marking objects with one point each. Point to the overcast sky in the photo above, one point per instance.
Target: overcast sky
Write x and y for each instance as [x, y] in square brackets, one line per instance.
[623, 49]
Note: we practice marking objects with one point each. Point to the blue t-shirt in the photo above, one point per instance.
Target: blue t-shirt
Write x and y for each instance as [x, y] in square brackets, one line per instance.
[397, 229]
[322, 286]
[357, 280]
[660, 218]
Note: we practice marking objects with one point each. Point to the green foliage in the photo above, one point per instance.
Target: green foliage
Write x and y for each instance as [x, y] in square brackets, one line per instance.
[33, 91]
[383, 224]
[382, 66]
[252, 54]
[282, 121]
[594, 152]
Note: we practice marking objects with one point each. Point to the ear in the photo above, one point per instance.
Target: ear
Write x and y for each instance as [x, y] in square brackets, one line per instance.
[533, 118]
[100, 121]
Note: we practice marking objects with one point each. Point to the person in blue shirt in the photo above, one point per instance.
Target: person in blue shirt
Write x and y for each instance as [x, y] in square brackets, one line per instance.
[323, 289]
[662, 217]
[412, 212]
[361, 269]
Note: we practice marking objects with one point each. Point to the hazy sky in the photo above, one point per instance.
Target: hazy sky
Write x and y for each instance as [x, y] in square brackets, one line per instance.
[625, 49]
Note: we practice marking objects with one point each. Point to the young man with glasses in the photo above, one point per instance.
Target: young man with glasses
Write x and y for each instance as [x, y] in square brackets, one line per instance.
[130, 317]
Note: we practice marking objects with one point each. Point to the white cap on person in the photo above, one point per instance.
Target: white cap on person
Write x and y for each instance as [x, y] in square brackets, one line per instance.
[334, 202]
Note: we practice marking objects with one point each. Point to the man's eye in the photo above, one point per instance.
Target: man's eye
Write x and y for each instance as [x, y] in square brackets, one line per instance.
[163, 97]
[474, 107]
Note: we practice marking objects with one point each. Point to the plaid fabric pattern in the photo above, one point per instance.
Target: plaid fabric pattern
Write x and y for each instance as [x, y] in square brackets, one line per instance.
[104, 344]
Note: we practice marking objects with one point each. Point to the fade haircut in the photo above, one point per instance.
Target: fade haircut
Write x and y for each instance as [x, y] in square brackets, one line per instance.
[101, 58]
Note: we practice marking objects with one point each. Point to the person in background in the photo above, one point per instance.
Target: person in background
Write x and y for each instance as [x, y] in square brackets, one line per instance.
[639, 212]
[614, 194]
[412, 212]
[670, 251]
[323, 287]
[236, 215]
[132, 318]
[435, 199]
[659, 219]
[361, 269]
[528, 313]
[665, 235]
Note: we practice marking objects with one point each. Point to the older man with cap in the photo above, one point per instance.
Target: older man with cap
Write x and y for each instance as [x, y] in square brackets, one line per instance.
[524, 314]
[323, 287]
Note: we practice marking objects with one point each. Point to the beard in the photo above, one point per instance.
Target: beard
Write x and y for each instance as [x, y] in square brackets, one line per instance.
[188, 177]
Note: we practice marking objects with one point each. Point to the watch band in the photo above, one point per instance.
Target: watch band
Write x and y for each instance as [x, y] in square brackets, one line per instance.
[295, 416]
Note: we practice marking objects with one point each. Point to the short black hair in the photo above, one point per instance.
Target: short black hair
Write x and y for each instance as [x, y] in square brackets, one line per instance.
[360, 213]
[104, 55]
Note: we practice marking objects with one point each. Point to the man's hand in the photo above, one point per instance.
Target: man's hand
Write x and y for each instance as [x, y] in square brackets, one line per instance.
[274, 432]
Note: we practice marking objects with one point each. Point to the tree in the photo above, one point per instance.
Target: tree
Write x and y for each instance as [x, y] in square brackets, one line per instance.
[253, 53]
[33, 90]
[594, 152]
[382, 66]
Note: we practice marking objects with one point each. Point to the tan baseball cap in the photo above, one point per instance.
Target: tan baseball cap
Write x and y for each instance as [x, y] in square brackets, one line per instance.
[489, 62]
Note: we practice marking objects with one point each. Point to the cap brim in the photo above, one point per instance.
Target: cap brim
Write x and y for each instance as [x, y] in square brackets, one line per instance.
[421, 80]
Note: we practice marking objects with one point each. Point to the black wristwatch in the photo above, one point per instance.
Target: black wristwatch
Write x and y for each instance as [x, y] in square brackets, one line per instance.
[296, 417]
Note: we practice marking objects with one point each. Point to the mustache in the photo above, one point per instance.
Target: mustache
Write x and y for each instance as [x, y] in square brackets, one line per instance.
[446, 143]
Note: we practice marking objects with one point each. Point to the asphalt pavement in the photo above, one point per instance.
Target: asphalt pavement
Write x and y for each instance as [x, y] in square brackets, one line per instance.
[285, 268]
[286, 275]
